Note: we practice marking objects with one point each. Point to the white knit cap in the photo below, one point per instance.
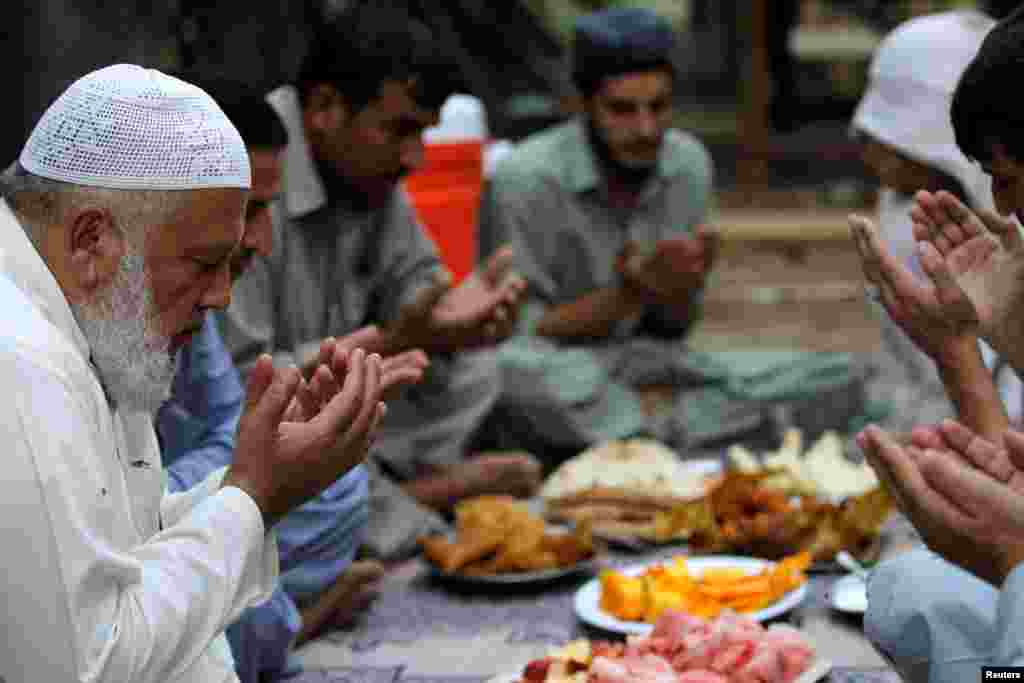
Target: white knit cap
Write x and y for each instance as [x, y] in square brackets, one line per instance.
[913, 75]
[129, 128]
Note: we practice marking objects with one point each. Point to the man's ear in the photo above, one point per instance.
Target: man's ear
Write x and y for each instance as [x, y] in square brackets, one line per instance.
[95, 246]
[325, 108]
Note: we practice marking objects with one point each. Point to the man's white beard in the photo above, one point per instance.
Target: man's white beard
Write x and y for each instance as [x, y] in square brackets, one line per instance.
[133, 360]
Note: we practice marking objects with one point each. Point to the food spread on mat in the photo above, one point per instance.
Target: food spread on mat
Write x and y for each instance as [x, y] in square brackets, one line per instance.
[683, 649]
[498, 534]
[818, 503]
[779, 504]
[619, 486]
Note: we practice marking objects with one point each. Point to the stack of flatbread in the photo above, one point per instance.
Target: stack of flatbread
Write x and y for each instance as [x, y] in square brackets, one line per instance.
[821, 471]
[620, 486]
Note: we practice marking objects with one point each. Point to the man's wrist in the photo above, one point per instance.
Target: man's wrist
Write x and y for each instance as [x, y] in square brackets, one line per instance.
[244, 484]
[956, 351]
[1010, 558]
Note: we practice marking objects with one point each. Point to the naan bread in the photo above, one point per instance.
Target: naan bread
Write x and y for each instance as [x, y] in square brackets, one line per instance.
[637, 467]
[822, 470]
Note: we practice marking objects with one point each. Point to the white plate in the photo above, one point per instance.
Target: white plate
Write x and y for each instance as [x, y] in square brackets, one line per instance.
[588, 598]
[849, 594]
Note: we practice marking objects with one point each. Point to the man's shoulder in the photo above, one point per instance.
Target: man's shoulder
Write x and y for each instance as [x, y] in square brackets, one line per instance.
[685, 155]
[32, 346]
[541, 156]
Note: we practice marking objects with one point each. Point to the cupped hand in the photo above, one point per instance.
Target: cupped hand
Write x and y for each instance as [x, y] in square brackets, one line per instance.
[984, 253]
[481, 311]
[935, 315]
[676, 266]
[281, 463]
[485, 307]
[963, 514]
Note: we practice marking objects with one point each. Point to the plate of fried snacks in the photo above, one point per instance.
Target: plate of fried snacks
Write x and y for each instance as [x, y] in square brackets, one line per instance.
[784, 504]
[633, 599]
[685, 649]
[498, 540]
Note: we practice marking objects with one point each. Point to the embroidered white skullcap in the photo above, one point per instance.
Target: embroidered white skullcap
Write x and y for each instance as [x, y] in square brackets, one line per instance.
[129, 128]
[913, 75]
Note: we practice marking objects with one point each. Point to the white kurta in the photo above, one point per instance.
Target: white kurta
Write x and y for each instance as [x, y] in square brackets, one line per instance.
[105, 578]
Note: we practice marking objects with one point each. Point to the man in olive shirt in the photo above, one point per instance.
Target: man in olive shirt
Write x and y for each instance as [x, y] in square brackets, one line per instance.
[349, 253]
[604, 214]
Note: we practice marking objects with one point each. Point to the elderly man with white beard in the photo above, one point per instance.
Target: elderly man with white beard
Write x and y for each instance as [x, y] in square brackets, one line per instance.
[116, 236]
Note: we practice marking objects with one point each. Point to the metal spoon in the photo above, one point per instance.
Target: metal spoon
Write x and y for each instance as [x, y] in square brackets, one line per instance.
[850, 564]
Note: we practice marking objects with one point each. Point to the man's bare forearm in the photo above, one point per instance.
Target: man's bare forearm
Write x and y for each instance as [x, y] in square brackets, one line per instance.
[592, 315]
[972, 389]
[436, 491]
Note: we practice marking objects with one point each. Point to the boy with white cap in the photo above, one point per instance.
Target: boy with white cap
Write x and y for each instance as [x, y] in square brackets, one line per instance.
[908, 143]
[119, 224]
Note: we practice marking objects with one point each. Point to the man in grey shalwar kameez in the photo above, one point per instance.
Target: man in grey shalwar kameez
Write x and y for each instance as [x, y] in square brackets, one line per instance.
[604, 214]
[349, 252]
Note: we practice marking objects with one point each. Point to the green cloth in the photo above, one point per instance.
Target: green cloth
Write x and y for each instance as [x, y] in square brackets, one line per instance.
[776, 375]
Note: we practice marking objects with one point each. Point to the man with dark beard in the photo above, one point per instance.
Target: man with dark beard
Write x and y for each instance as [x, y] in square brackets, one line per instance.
[349, 252]
[605, 214]
[119, 224]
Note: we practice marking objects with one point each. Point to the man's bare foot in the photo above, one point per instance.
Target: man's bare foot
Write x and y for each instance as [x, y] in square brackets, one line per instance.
[514, 473]
[351, 593]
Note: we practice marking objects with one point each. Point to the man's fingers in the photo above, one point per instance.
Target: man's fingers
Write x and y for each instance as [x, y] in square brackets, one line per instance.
[947, 289]
[326, 351]
[414, 358]
[952, 490]
[401, 370]
[392, 380]
[934, 216]
[1003, 228]
[326, 386]
[971, 253]
[923, 225]
[260, 377]
[895, 283]
[1014, 442]
[927, 436]
[336, 417]
[306, 401]
[872, 441]
[498, 265]
[378, 416]
[364, 338]
[893, 272]
[431, 295]
[978, 451]
[371, 392]
[279, 395]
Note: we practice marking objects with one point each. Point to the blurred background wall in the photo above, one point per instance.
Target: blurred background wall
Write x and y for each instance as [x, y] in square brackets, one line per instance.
[761, 81]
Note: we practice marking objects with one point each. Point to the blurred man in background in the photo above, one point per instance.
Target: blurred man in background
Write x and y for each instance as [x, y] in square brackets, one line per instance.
[605, 214]
[349, 252]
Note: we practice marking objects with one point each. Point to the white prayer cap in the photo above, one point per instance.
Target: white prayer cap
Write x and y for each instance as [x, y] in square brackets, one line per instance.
[129, 128]
[913, 75]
